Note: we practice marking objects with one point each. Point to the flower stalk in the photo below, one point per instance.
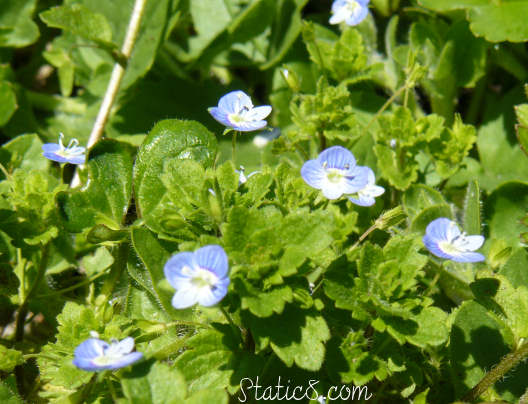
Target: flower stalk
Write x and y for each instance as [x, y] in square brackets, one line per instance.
[115, 80]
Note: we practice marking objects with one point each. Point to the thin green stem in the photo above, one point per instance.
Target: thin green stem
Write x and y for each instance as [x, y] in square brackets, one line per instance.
[385, 106]
[233, 147]
[364, 236]
[73, 287]
[4, 170]
[498, 372]
[62, 172]
[115, 79]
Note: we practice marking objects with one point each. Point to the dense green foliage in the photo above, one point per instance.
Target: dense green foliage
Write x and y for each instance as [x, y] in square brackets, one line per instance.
[430, 94]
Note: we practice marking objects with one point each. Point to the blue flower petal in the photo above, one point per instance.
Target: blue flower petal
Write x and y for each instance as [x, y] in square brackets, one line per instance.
[125, 360]
[313, 173]
[90, 349]
[468, 257]
[248, 126]
[214, 295]
[77, 160]
[173, 267]
[213, 258]
[431, 244]
[356, 180]
[337, 157]
[363, 200]
[438, 229]
[50, 147]
[55, 157]
[357, 17]
[219, 115]
[233, 102]
[259, 113]
[85, 364]
[185, 297]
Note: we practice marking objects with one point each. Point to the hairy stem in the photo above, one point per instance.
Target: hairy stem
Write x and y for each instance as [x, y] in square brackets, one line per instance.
[498, 372]
[115, 80]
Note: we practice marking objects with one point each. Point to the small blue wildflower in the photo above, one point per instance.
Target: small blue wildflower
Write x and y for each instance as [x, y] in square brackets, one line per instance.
[444, 239]
[72, 154]
[95, 354]
[198, 277]
[366, 195]
[235, 110]
[350, 11]
[335, 173]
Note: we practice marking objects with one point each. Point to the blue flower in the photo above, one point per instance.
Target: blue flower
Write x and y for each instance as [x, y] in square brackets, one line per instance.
[366, 195]
[444, 239]
[198, 277]
[335, 173]
[235, 110]
[72, 154]
[350, 11]
[95, 354]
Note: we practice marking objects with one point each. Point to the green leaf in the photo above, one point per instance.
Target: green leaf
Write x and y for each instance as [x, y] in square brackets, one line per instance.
[153, 257]
[8, 102]
[514, 304]
[397, 169]
[213, 360]
[208, 396]
[24, 151]
[470, 361]
[169, 139]
[17, 28]
[296, 336]
[80, 20]
[505, 208]
[432, 329]
[155, 383]
[7, 395]
[97, 262]
[515, 268]
[522, 127]
[286, 29]
[472, 209]
[496, 21]
[328, 112]
[419, 197]
[105, 196]
[263, 303]
[501, 157]
[452, 147]
[9, 359]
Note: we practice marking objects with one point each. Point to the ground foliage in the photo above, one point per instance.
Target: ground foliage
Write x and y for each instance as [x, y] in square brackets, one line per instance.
[430, 94]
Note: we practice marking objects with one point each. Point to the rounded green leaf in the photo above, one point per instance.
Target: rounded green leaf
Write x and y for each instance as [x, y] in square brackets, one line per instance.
[169, 139]
[105, 196]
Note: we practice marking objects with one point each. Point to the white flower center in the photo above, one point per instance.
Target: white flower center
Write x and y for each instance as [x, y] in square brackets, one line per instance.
[351, 6]
[203, 278]
[72, 150]
[334, 175]
[110, 355]
[457, 245]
